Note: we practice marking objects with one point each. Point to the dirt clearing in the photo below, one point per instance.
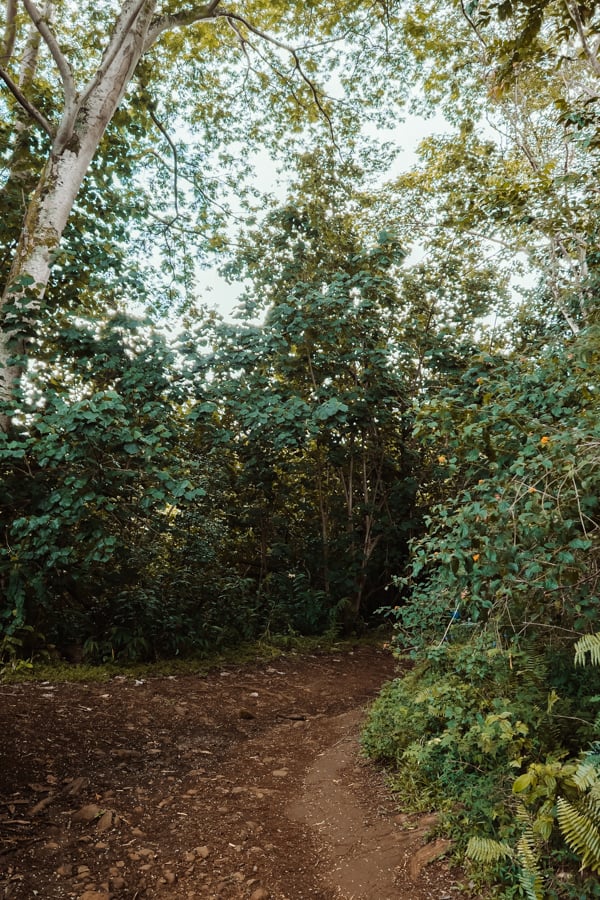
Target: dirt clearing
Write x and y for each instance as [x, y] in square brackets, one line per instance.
[244, 783]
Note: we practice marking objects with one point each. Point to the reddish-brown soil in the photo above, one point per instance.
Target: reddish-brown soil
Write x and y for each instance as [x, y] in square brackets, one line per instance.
[245, 783]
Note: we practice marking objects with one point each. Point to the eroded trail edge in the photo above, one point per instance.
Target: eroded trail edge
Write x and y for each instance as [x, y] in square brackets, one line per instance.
[245, 783]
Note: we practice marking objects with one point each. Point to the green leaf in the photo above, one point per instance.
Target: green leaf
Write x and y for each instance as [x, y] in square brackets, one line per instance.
[523, 782]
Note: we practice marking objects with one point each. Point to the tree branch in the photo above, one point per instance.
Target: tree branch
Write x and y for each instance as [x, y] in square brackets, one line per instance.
[31, 51]
[269, 39]
[573, 10]
[58, 56]
[167, 137]
[180, 20]
[17, 93]
[472, 24]
[10, 31]
[212, 11]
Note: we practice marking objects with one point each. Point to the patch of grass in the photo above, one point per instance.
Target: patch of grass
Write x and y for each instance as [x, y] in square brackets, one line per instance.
[264, 650]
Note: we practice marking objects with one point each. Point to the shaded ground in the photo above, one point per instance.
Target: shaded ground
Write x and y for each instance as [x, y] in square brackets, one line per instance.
[245, 783]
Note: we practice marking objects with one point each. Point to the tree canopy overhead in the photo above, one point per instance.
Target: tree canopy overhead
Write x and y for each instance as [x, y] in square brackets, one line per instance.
[101, 99]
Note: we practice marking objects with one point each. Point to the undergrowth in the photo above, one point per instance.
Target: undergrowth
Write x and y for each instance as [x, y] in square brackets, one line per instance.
[481, 734]
[45, 668]
[498, 723]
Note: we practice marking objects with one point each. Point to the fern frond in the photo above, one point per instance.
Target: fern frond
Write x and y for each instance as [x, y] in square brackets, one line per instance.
[486, 850]
[530, 876]
[430, 692]
[533, 664]
[586, 775]
[592, 804]
[581, 830]
[524, 817]
[593, 754]
[589, 643]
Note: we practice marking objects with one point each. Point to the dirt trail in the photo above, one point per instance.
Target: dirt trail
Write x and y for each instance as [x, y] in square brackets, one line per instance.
[369, 855]
[246, 783]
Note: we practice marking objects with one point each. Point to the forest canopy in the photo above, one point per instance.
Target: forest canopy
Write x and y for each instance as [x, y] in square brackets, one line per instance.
[400, 424]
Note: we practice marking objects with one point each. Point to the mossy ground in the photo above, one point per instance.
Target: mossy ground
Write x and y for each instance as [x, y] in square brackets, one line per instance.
[268, 648]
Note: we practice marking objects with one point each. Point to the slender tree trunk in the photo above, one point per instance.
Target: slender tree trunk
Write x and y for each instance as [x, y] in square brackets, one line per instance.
[21, 172]
[324, 517]
[373, 498]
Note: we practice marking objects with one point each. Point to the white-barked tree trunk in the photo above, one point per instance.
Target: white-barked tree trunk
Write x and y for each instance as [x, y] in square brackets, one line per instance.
[85, 116]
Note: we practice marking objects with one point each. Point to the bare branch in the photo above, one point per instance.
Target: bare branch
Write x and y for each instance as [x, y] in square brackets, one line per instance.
[18, 94]
[168, 139]
[480, 37]
[58, 56]
[180, 20]
[268, 38]
[243, 42]
[10, 32]
[573, 10]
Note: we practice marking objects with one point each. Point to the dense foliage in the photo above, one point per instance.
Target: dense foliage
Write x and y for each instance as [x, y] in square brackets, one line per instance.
[492, 719]
[401, 421]
[497, 723]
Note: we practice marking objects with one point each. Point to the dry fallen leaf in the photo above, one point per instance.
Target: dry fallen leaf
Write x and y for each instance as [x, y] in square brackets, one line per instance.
[87, 813]
[105, 821]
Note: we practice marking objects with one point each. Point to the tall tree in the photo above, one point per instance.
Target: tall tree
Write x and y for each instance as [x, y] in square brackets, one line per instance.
[503, 585]
[148, 39]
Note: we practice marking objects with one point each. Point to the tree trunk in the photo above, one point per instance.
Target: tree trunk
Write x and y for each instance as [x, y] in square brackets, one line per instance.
[76, 142]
